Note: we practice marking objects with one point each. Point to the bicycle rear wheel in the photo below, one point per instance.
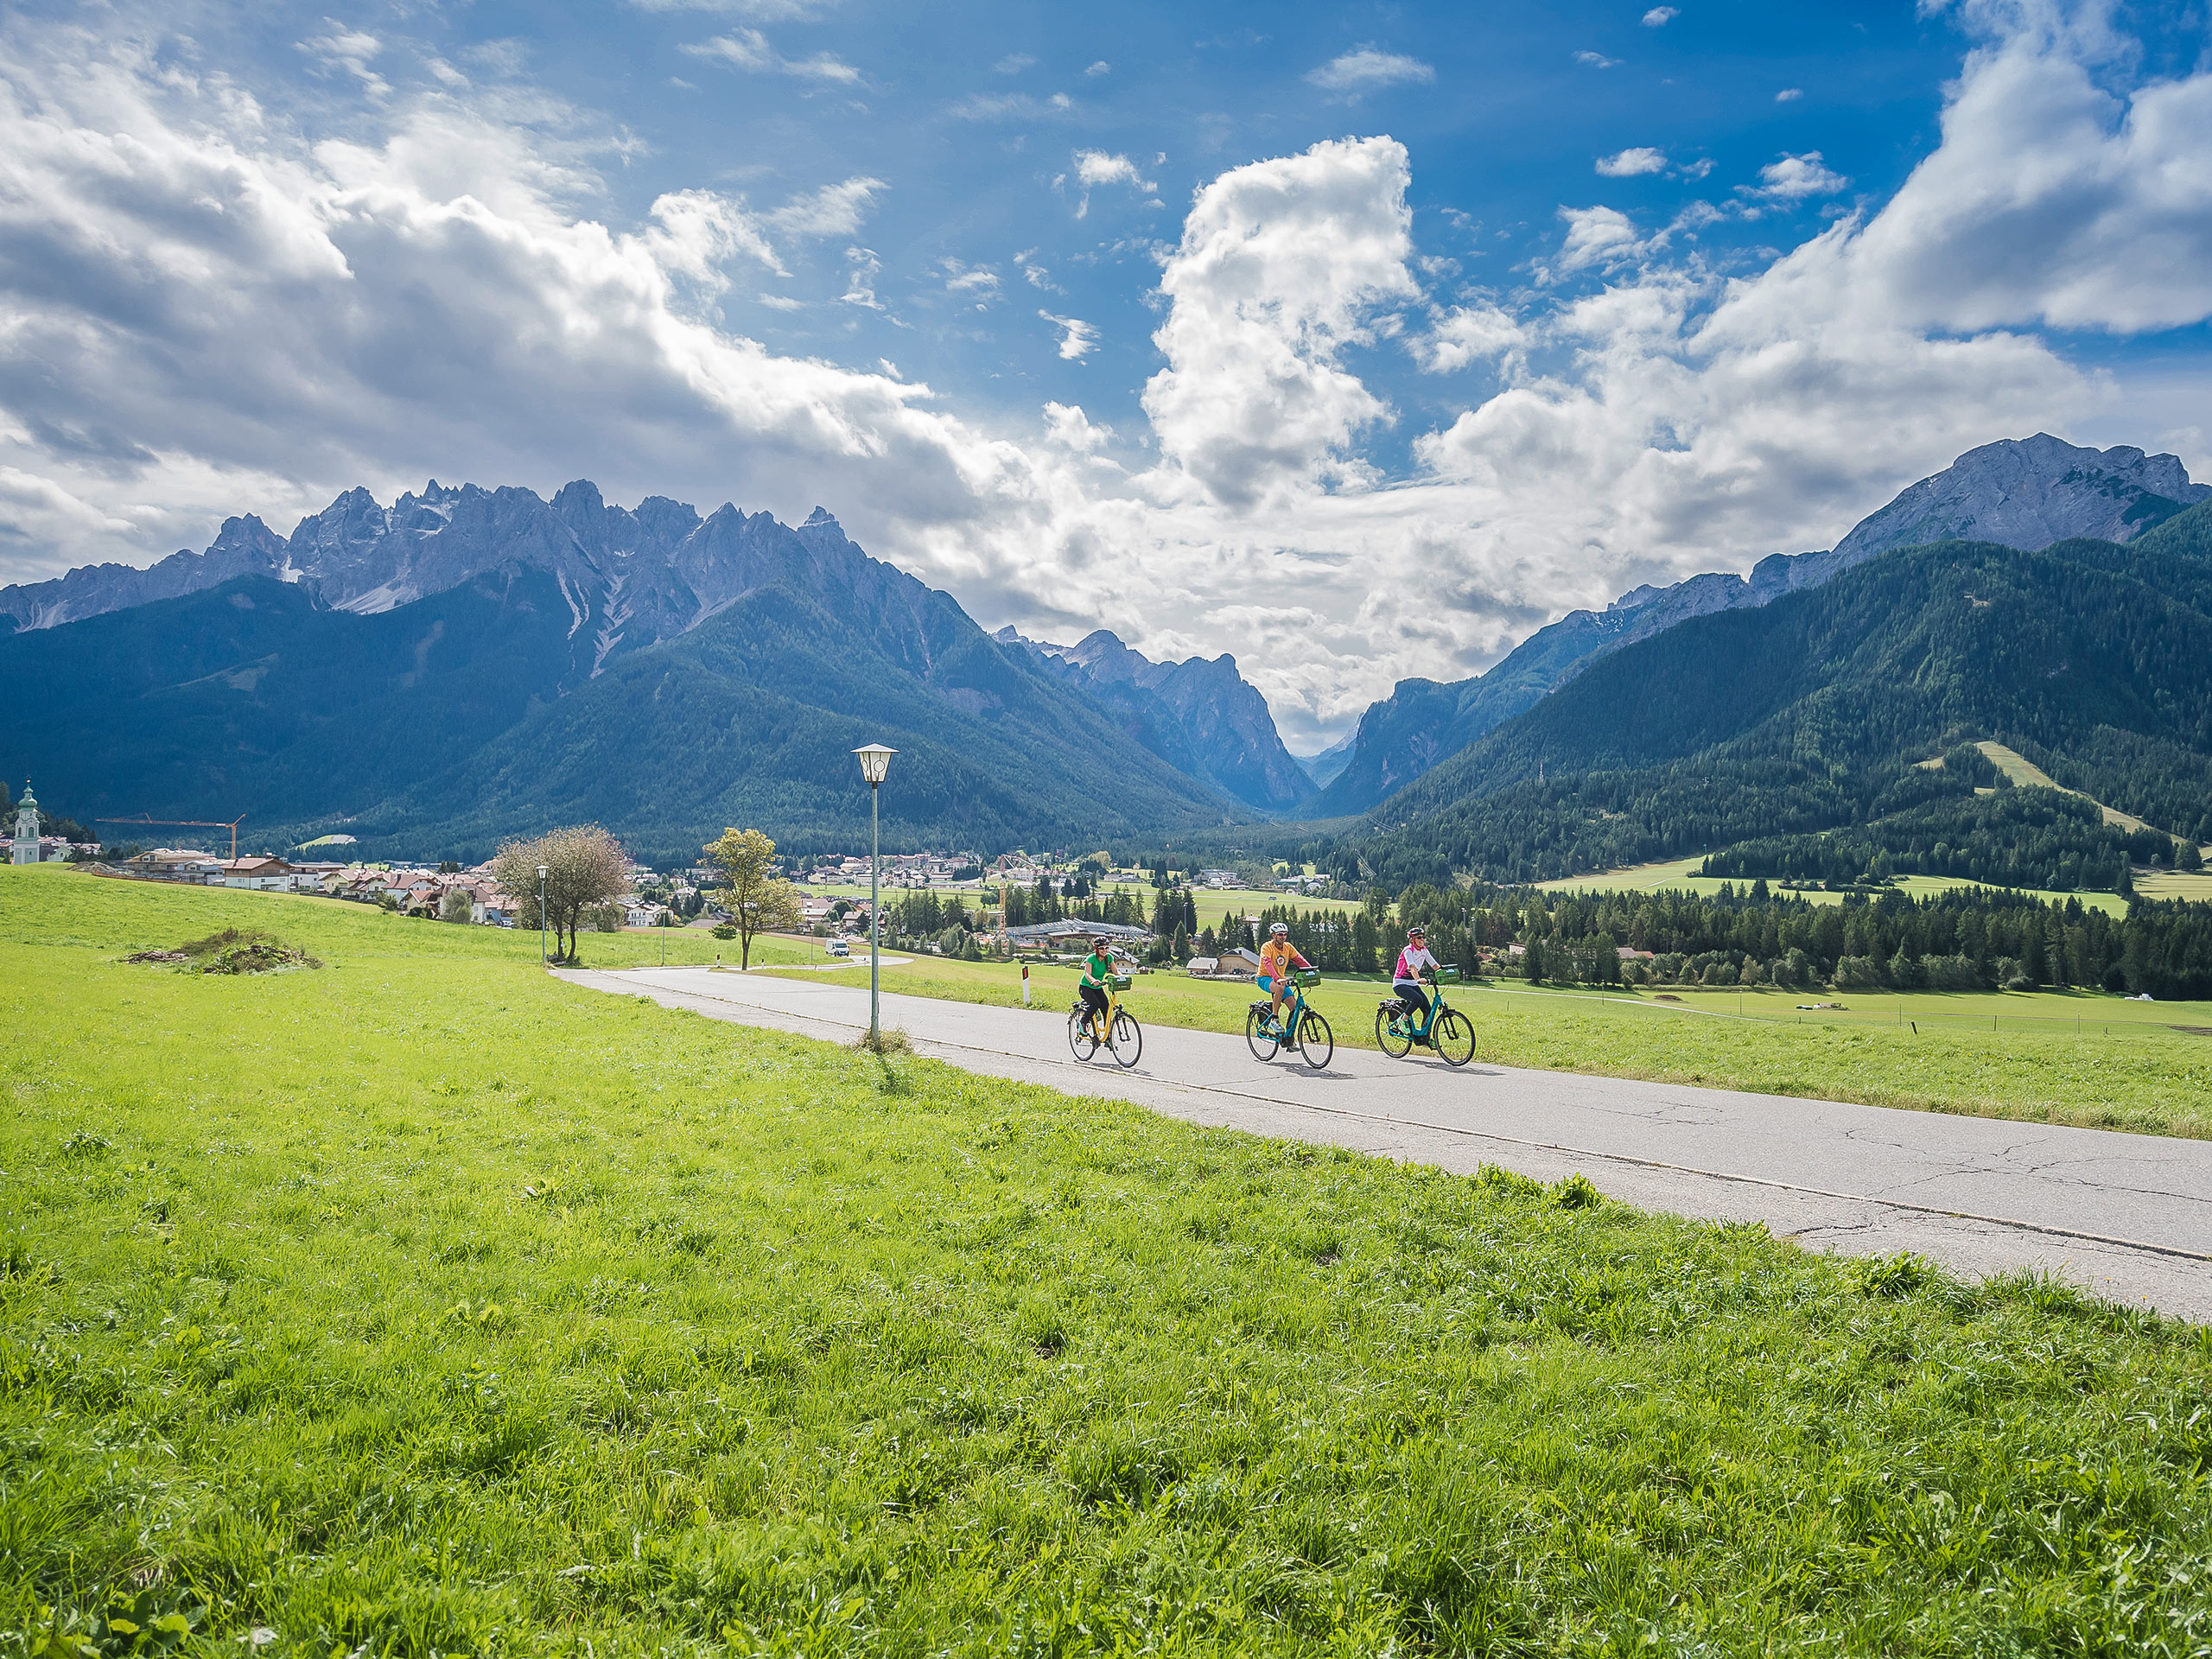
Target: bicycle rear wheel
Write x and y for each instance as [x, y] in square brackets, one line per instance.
[1454, 1038]
[1081, 1037]
[1396, 1044]
[1126, 1042]
[1262, 1046]
[1316, 1042]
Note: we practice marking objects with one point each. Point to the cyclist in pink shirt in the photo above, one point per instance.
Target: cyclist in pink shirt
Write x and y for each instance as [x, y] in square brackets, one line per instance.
[1415, 960]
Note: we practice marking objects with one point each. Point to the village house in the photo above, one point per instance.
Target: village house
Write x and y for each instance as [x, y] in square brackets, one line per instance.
[256, 874]
[1234, 963]
[177, 864]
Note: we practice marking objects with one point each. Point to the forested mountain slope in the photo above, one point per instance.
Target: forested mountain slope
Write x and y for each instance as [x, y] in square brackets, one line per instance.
[443, 725]
[2092, 657]
[622, 581]
[2025, 494]
[750, 719]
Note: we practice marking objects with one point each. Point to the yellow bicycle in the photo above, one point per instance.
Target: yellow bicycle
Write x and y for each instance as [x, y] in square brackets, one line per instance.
[1116, 1030]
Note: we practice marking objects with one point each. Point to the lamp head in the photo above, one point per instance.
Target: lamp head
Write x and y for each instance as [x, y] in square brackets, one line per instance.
[875, 760]
[541, 872]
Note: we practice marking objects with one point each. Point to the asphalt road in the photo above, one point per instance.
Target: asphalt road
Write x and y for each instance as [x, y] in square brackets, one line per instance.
[2127, 1216]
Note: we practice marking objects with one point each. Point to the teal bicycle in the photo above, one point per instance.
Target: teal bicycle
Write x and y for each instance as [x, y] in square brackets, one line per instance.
[1448, 1031]
[1303, 1028]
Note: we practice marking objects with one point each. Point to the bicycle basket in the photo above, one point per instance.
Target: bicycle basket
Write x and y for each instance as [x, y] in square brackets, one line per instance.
[1119, 982]
[1306, 976]
[1447, 974]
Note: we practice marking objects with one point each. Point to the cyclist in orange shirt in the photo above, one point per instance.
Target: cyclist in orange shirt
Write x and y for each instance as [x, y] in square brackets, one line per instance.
[1277, 957]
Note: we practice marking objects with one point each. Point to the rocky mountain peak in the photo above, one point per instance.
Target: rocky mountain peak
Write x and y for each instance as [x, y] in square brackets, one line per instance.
[2028, 493]
[1199, 715]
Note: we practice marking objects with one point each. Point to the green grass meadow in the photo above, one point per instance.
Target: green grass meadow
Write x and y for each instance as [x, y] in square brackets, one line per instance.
[2086, 1057]
[424, 1304]
[1680, 875]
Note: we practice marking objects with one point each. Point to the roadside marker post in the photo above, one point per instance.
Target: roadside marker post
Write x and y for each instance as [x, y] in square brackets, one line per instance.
[1025, 984]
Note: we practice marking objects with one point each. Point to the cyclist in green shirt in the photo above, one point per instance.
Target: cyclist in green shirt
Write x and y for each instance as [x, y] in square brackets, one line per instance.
[1097, 971]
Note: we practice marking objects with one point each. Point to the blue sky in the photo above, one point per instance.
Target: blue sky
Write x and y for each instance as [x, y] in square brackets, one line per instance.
[1358, 340]
[974, 119]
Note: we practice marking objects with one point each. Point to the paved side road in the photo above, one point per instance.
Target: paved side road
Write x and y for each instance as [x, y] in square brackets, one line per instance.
[2128, 1216]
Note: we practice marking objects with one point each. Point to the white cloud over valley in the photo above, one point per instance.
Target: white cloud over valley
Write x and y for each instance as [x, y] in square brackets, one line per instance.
[208, 306]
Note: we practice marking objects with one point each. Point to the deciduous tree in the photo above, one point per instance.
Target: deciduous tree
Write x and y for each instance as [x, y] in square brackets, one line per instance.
[758, 900]
[584, 866]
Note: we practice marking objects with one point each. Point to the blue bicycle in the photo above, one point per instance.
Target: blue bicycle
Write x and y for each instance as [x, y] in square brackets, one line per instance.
[1303, 1028]
[1448, 1031]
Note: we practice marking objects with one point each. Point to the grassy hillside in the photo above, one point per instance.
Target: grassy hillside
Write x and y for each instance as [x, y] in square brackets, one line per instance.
[422, 1303]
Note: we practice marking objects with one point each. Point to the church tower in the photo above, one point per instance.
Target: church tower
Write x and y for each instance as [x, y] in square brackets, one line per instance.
[26, 846]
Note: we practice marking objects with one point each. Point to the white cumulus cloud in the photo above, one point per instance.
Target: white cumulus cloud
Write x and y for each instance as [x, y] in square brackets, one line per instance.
[1796, 177]
[833, 210]
[210, 308]
[1281, 266]
[1469, 334]
[1078, 338]
[1096, 167]
[1365, 68]
[351, 50]
[1599, 236]
[1067, 425]
[748, 48]
[1628, 163]
[1660, 17]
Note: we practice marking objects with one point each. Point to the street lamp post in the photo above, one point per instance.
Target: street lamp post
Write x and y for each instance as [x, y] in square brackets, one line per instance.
[875, 760]
[541, 916]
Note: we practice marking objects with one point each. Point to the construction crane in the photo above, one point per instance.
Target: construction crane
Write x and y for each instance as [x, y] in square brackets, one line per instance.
[185, 823]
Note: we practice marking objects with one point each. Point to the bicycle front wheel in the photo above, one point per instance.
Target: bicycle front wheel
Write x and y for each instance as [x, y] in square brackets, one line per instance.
[1127, 1041]
[1316, 1042]
[1081, 1037]
[1454, 1038]
[1396, 1044]
[1262, 1046]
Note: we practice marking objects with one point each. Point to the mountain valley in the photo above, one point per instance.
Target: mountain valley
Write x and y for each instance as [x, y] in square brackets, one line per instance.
[470, 663]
